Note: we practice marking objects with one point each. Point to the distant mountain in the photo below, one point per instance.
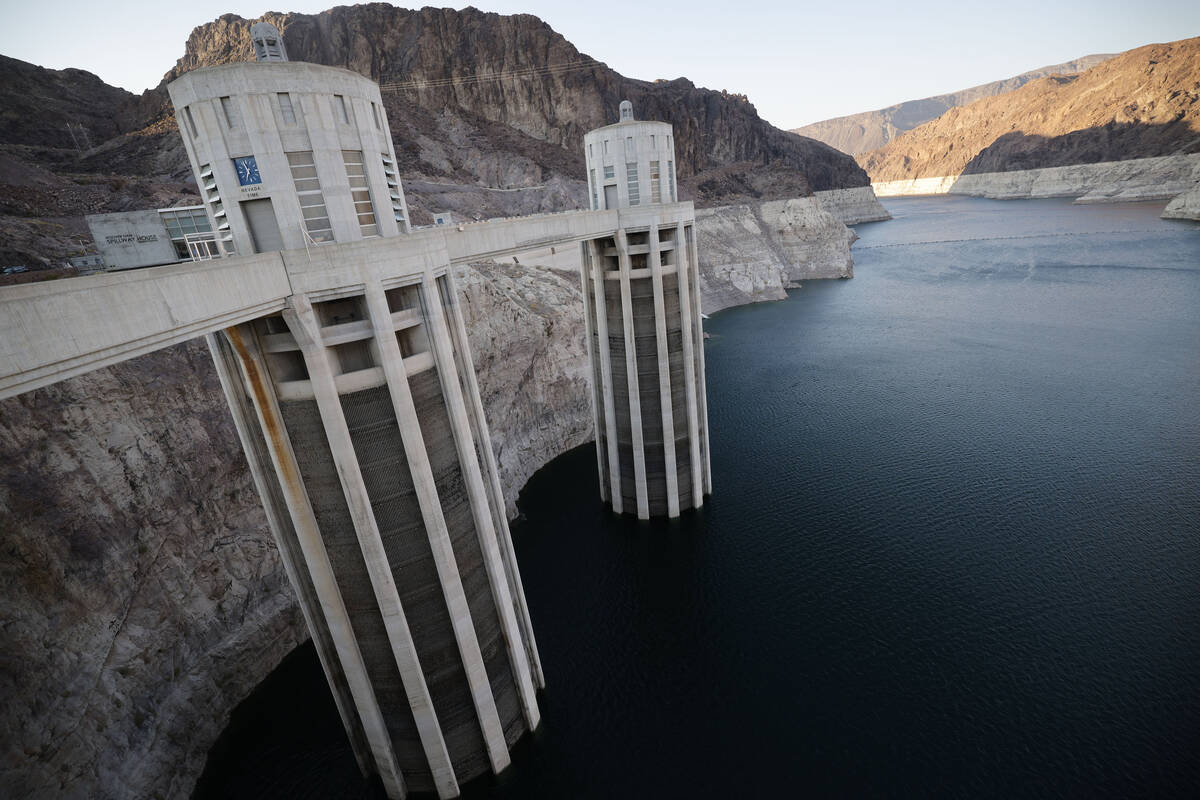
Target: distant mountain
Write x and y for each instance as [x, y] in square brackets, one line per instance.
[870, 130]
[1141, 103]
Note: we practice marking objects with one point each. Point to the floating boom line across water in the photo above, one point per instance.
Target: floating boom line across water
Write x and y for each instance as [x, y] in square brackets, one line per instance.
[466, 80]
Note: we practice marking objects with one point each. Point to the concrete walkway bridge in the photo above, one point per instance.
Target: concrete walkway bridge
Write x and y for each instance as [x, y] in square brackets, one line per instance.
[54, 330]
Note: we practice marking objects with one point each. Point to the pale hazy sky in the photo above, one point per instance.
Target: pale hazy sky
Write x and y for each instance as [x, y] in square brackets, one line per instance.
[798, 62]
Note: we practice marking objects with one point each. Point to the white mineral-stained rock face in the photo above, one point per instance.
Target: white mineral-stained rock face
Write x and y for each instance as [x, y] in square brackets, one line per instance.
[143, 594]
[753, 253]
[527, 336]
[1185, 205]
[738, 265]
[1105, 182]
[852, 206]
[813, 242]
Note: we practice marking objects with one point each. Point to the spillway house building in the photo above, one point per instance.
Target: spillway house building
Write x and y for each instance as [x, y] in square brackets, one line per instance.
[358, 409]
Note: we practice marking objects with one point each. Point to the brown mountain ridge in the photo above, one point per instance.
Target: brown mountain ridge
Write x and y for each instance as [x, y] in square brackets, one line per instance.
[869, 130]
[1139, 104]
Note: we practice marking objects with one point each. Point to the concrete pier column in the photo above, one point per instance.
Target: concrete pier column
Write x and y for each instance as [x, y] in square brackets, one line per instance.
[316, 560]
[631, 375]
[458, 332]
[435, 526]
[683, 258]
[701, 381]
[275, 506]
[464, 441]
[588, 264]
[303, 324]
[599, 310]
[664, 374]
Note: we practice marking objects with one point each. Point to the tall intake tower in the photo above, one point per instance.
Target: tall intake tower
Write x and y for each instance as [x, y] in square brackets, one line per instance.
[644, 333]
[357, 407]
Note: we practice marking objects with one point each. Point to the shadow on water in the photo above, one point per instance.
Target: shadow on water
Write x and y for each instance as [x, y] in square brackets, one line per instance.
[286, 740]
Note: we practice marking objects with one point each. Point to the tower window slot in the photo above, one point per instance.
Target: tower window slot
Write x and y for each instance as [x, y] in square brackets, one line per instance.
[286, 110]
[229, 109]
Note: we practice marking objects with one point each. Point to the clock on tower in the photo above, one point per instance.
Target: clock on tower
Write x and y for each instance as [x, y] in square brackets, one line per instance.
[247, 171]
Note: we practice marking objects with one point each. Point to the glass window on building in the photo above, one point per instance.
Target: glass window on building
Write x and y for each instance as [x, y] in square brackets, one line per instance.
[186, 226]
[592, 182]
[671, 179]
[356, 171]
[655, 183]
[608, 172]
[631, 179]
[312, 202]
[339, 105]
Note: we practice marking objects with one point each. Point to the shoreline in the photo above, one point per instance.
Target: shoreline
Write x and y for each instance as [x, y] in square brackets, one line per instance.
[1172, 178]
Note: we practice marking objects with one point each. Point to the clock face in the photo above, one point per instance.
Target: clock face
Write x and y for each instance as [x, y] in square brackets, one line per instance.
[247, 171]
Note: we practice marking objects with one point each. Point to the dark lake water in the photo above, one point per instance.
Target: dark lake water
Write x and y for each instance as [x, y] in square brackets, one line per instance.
[953, 549]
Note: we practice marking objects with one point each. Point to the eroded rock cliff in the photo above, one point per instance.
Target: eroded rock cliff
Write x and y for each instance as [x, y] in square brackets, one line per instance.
[143, 595]
[755, 252]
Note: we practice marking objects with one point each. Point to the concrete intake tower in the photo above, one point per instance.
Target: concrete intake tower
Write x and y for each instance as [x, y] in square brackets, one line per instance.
[645, 341]
[359, 413]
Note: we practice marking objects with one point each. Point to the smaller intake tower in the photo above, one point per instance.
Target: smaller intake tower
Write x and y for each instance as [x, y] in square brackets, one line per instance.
[645, 339]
